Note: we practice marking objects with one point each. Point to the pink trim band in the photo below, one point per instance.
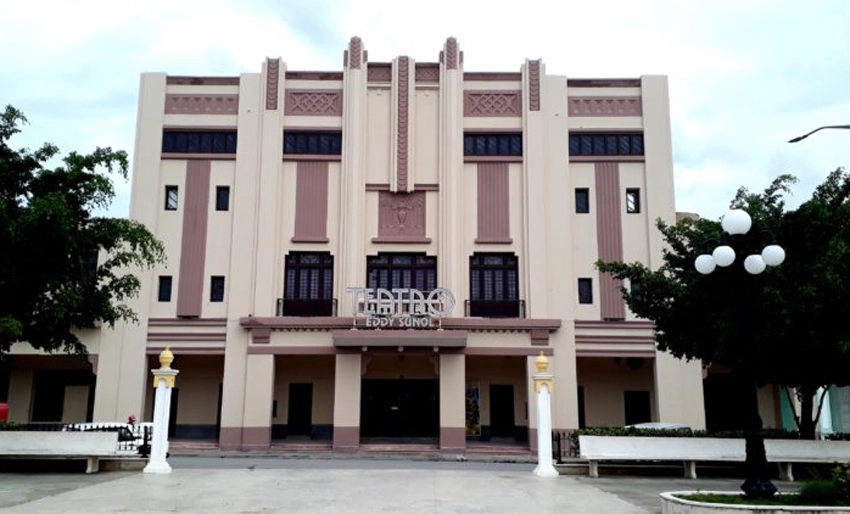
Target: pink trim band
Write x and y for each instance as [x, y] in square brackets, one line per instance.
[190, 286]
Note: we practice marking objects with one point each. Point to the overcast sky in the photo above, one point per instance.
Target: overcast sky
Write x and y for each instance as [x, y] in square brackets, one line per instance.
[745, 75]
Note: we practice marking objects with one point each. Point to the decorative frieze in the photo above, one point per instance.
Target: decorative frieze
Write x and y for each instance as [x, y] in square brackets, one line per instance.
[605, 106]
[313, 102]
[534, 85]
[379, 72]
[201, 104]
[492, 104]
[427, 73]
[403, 124]
[272, 80]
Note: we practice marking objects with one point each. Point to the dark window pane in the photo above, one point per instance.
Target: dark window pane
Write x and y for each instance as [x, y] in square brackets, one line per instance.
[598, 145]
[199, 141]
[611, 145]
[309, 143]
[222, 198]
[586, 145]
[216, 289]
[623, 146]
[637, 145]
[585, 290]
[171, 197]
[574, 145]
[493, 145]
[401, 270]
[582, 200]
[164, 289]
[632, 200]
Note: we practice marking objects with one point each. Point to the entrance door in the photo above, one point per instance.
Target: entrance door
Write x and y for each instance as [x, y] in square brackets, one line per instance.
[400, 408]
[502, 411]
[300, 412]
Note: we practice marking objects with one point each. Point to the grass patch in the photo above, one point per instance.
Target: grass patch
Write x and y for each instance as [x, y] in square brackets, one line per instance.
[779, 500]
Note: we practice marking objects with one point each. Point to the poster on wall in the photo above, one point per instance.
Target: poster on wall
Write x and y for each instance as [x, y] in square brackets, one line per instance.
[473, 411]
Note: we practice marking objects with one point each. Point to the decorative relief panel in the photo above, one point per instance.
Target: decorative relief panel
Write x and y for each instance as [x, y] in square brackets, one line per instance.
[403, 123]
[201, 104]
[379, 72]
[605, 106]
[492, 103]
[401, 217]
[451, 54]
[313, 102]
[427, 73]
[272, 80]
[534, 85]
[355, 53]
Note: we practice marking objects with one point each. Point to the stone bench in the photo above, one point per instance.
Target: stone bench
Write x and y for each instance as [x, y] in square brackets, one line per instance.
[91, 446]
[690, 450]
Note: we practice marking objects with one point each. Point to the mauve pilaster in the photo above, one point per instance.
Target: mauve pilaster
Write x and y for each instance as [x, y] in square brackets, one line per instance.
[193, 251]
[493, 203]
[311, 202]
[609, 233]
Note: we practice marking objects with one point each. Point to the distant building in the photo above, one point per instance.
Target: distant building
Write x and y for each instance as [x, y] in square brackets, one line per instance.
[382, 251]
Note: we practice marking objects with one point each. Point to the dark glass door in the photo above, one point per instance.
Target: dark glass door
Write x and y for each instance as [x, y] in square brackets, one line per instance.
[300, 411]
[502, 411]
[400, 408]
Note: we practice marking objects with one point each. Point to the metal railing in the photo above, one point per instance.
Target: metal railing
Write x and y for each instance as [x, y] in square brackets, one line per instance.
[307, 308]
[494, 308]
[562, 447]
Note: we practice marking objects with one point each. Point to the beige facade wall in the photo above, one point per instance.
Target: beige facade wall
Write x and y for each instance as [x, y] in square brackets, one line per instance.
[315, 370]
[248, 244]
[604, 381]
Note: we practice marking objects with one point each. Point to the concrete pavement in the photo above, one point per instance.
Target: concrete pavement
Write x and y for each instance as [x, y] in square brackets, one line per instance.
[259, 485]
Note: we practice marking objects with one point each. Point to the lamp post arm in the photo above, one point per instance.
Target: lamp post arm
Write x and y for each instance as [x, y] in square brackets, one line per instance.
[804, 136]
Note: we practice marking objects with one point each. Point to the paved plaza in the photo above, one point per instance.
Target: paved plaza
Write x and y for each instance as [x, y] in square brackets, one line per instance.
[263, 484]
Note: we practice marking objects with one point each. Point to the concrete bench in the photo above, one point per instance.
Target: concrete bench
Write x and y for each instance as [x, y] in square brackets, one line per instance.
[787, 452]
[690, 450]
[91, 446]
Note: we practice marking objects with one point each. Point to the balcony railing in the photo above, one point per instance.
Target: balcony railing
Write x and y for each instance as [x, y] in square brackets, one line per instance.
[494, 308]
[309, 308]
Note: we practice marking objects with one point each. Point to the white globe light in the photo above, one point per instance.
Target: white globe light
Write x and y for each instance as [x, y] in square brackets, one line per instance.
[704, 264]
[723, 255]
[773, 255]
[736, 221]
[754, 264]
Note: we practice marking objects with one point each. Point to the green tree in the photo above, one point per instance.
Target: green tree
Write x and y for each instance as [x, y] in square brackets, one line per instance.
[785, 326]
[61, 267]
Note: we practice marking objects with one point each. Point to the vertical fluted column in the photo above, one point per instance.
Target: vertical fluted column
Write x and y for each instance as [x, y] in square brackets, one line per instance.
[451, 262]
[352, 259]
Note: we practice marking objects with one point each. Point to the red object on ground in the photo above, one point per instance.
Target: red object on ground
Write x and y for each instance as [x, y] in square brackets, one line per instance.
[4, 412]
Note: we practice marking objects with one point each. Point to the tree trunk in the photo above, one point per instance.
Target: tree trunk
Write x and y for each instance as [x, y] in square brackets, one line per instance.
[807, 413]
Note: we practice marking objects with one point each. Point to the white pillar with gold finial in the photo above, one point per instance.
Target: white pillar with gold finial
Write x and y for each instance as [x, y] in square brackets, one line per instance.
[163, 382]
[543, 388]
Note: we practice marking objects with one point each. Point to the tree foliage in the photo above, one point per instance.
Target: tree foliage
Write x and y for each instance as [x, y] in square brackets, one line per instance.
[61, 267]
[785, 326]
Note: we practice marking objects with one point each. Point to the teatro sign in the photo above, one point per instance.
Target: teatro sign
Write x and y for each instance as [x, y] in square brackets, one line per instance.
[400, 308]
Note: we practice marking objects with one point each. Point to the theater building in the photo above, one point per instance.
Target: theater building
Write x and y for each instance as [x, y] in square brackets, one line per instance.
[381, 252]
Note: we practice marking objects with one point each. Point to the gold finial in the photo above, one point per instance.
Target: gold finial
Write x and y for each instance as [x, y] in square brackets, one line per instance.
[166, 358]
[542, 364]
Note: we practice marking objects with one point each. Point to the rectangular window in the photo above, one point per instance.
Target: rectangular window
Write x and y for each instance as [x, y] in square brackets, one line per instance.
[637, 407]
[609, 145]
[632, 200]
[308, 284]
[312, 143]
[494, 285]
[170, 198]
[164, 288]
[582, 200]
[181, 141]
[401, 270]
[222, 198]
[216, 289]
[585, 290]
[492, 145]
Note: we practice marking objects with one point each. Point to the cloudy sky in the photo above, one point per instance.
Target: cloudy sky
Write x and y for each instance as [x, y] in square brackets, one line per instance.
[745, 75]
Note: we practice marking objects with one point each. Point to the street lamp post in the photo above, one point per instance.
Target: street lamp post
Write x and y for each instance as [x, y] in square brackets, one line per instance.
[804, 136]
[738, 222]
